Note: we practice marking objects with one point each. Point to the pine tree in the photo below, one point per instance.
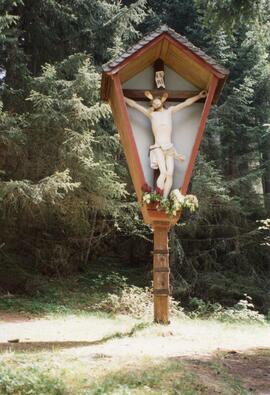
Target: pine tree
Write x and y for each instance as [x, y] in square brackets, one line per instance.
[223, 237]
[63, 179]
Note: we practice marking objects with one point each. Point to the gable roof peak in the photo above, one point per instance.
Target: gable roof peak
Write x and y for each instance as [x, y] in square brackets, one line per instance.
[109, 66]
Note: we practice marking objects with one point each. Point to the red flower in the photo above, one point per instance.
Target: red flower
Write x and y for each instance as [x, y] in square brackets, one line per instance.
[146, 188]
[159, 191]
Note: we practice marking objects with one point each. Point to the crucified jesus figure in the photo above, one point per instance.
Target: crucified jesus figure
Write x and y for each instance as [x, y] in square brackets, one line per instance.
[162, 152]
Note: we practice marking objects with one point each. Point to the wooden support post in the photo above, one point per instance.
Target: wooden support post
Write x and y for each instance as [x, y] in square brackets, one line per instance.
[161, 272]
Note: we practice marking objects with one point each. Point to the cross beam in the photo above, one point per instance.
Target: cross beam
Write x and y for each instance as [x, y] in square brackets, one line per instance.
[173, 96]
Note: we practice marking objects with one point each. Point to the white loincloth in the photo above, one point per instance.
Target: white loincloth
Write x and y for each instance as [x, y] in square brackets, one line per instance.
[167, 149]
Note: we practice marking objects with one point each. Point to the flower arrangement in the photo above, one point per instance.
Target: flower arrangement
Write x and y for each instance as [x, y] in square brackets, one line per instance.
[174, 203]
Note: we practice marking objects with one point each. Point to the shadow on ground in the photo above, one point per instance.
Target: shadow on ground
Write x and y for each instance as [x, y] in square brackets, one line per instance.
[248, 370]
[32, 346]
[42, 346]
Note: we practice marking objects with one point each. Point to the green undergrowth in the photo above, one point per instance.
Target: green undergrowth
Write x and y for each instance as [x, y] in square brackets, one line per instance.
[54, 299]
[32, 380]
[242, 312]
[73, 295]
[227, 287]
[109, 294]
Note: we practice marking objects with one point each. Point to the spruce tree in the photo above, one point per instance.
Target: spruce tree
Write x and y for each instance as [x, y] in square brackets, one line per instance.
[63, 178]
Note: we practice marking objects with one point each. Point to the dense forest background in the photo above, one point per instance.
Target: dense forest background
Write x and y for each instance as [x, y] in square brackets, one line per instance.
[66, 200]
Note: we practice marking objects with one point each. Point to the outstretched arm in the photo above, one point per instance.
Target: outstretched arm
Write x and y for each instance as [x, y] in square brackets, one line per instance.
[138, 107]
[189, 101]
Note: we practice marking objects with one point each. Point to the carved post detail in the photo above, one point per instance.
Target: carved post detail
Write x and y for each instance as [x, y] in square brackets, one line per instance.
[161, 272]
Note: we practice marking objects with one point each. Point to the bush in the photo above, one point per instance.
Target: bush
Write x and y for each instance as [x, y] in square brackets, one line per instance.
[202, 309]
[135, 301]
[29, 381]
[105, 281]
[243, 311]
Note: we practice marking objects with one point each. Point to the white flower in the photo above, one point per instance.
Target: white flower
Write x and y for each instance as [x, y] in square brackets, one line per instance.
[147, 198]
[177, 195]
[191, 202]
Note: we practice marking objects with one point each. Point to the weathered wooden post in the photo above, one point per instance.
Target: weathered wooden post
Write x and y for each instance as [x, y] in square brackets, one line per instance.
[161, 272]
[161, 141]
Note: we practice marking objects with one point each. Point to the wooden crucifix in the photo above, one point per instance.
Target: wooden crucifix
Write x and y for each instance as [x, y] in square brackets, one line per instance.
[162, 153]
[162, 161]
[193, 66]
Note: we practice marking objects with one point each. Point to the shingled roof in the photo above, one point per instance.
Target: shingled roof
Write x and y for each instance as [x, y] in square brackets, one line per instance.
[114, 63]
[176, 51]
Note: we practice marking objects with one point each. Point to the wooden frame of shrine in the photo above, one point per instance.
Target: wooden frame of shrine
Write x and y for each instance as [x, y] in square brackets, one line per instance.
[163, 61]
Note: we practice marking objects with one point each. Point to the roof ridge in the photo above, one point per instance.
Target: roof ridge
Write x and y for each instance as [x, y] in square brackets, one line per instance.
[151, 36]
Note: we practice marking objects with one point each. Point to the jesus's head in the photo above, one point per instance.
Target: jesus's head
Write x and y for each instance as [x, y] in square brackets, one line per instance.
[157, 101]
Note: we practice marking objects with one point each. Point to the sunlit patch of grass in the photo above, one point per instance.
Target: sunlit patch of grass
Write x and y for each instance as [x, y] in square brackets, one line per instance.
[171, 377]
[37, 377]
[60, 373]
[160, 377]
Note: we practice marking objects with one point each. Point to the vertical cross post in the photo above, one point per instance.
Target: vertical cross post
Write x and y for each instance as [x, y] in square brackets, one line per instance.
[158, 66]
[161, 272]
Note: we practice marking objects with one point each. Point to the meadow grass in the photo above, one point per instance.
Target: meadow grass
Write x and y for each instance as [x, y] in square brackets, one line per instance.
[58, 374]
[98, 369]
[67, 348]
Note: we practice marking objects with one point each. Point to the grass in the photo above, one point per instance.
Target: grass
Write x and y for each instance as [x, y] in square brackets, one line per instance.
[83, 355]
[74, 295]
[97, 368]
[233, 383]
[57, 297]
[43, 374]
[79, 302]
[168, 377]
[32, 380]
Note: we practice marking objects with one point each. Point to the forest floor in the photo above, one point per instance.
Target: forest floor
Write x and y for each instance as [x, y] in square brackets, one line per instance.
[100, 354]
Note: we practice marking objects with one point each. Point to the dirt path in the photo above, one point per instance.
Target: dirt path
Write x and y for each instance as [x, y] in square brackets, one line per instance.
[64, 329]
[243, 351]
[253, 368]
